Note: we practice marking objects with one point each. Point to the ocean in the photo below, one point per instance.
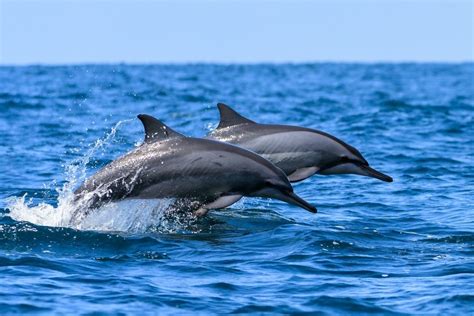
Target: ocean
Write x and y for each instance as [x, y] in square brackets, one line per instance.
[398, 248]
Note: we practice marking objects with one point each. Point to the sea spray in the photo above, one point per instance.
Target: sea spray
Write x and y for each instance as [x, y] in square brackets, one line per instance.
[135, 216]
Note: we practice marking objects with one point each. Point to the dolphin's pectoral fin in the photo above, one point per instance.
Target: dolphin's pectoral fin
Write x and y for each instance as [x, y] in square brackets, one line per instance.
[221, 202]
[155, 130]
[303, 173]
[229, 117]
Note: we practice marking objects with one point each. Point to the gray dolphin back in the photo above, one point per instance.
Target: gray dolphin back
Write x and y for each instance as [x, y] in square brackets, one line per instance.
[170, 165]
[300, 152]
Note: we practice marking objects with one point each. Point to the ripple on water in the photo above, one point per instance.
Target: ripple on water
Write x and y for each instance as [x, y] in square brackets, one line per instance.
[373, 248]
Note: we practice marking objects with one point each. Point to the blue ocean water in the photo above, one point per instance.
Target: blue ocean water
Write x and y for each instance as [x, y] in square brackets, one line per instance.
[405, 247]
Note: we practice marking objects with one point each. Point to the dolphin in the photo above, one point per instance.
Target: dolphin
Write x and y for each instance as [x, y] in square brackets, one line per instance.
[300, 152]
[207, 173]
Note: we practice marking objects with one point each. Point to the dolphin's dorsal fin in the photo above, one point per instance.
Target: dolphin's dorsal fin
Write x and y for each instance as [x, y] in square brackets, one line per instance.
[230, 118]
[155, 130]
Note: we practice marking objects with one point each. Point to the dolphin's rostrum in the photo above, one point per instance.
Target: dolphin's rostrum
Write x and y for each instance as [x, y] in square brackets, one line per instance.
[209, 173]
[300, 152]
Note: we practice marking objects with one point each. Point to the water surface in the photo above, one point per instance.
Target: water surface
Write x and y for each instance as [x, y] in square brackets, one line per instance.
[405, 247]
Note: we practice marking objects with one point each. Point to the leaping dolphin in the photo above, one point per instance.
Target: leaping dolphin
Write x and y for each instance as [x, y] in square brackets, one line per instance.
[300, 152]
[209, 173]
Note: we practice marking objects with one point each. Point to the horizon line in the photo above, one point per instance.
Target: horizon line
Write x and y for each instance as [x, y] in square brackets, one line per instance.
[226, 63]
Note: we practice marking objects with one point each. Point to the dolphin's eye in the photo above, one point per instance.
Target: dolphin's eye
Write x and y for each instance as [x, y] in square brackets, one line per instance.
[344, 159]
[276, 185]
[268, 183]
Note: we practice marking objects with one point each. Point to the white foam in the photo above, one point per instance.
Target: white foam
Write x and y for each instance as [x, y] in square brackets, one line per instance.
[124, 216]
[135, 216]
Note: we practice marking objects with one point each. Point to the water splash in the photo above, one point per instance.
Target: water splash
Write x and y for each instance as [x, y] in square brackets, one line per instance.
[124, 216]
[76, 170]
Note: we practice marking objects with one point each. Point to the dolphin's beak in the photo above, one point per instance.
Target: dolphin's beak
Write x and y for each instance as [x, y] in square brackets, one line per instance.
[285, 196]
[292, 198]
[370, 172]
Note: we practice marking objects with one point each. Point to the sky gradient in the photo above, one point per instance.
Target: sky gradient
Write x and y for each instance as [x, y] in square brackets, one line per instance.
[60, 32]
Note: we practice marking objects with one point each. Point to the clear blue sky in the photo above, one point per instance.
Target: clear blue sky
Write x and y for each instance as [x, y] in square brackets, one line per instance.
[87, 31]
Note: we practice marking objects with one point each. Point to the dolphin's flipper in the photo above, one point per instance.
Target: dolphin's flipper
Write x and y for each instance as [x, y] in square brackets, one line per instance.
[155, 130]
[303, 173]
[230, 118]
[221, 202]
